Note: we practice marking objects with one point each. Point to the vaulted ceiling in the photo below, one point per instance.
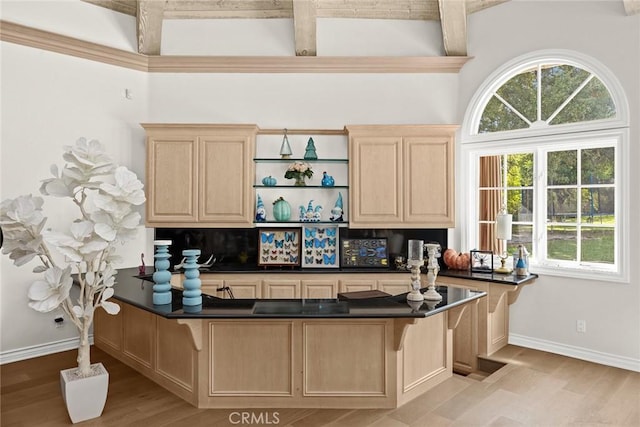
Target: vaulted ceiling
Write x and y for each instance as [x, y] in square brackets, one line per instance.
[452, 15]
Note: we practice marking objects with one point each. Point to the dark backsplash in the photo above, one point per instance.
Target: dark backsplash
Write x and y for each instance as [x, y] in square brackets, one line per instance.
[230, 245]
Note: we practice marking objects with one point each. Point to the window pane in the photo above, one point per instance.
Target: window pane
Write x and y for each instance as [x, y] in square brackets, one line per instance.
[598, 166]
[562, 167]
[521, 235]
[561, 243]
[593, 102]
[521, 92]
[558, 83]
[597, 245]
[491, 171]
[520, 170]
[486, 242]
[496, 117]
[520, 205]
[598, 205]
[562, 205]
[490, 202]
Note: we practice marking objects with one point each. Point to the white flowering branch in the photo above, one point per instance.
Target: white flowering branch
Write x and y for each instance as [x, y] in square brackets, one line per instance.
[106, 217]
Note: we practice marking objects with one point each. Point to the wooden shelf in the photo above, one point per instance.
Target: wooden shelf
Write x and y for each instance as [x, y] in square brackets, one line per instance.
[299, 223]
[301, 187]
[271, 160]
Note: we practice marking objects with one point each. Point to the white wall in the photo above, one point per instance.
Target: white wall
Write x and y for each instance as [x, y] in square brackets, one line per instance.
[546, 312]
[47, 101]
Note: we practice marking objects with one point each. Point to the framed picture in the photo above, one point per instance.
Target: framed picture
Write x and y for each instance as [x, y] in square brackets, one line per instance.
[320, 248]
[364, 253]
[279, 246]
[481, 261]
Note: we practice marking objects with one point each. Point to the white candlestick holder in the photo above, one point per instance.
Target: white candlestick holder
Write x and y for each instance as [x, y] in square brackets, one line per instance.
[433, 253]
[415, 261]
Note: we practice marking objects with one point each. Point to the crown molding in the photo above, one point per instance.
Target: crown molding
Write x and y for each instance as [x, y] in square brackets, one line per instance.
[53, 42]
[306, 64]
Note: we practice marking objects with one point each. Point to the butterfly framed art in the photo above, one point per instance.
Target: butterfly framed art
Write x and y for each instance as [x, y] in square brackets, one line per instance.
[320, 247]
[279, 247]
[361, 253]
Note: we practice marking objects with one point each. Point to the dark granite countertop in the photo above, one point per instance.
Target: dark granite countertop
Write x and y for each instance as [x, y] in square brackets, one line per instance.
[138, 292]
[505, 279]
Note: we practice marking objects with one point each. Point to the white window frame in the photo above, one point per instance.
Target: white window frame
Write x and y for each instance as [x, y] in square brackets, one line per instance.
[540, 141]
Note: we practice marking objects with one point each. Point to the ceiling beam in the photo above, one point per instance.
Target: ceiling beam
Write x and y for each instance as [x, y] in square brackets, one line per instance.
[425, 10]
[453, 20]
[474, 6]
[149, 26]
[304, 25]
[632, 6]
[128, 7]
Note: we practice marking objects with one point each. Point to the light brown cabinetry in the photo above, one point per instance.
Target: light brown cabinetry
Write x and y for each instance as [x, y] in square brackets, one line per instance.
[395, 286]
[244, 288]
[199, 175]
[319, 288]
[401, 176]
[357, 285]
[281, 288]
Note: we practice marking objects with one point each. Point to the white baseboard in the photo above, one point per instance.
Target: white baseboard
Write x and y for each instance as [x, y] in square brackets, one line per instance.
[576, 352]
[40, 350]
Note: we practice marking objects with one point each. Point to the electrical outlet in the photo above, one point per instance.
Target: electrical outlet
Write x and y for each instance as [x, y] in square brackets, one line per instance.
[59, 321]
[581, 326]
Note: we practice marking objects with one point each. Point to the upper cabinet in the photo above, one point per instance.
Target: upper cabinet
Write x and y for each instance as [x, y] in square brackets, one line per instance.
[401, 176]
[199, 175]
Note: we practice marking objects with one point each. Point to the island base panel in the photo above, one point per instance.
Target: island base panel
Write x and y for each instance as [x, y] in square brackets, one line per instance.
[283, 363]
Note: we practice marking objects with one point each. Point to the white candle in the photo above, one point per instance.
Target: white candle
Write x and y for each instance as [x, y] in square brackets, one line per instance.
[503, 226]
[416, 251]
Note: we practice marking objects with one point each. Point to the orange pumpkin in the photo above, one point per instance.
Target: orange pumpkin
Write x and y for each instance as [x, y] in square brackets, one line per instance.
[455, 260]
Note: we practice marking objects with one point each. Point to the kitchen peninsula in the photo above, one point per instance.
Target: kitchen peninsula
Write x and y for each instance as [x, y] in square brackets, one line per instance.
[242, 353]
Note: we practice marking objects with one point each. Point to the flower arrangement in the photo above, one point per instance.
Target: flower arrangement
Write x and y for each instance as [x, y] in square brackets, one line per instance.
[298, 171]
[105, 194]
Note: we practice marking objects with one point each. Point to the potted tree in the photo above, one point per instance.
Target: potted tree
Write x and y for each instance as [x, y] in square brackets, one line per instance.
[105, 195]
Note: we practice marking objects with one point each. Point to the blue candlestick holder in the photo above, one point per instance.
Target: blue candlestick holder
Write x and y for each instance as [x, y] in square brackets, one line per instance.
[162, 275]
[191, 294]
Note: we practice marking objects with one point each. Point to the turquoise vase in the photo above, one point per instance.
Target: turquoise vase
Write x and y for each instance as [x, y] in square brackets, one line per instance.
[191, 296]
[162, 275]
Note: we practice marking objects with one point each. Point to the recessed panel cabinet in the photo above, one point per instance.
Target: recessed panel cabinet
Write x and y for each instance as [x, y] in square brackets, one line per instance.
[401, 176]
[200, 175]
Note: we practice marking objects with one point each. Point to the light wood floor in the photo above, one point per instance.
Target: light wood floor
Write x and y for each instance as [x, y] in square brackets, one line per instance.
[534, 389]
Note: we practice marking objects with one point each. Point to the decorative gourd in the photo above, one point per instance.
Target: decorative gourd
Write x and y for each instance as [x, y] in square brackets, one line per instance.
[455, 260]
[269, 181]
[281, 210]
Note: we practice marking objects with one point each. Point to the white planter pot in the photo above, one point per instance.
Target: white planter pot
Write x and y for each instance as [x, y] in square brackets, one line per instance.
[85, 397]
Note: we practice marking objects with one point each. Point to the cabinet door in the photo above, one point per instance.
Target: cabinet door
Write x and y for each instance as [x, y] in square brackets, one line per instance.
[375, 181]
[171, 179]
[226, 180]
[395, 286]
[210, 286]
[319, 288]
[428, 181]
[281, 288]
[244, 288]
[355, 285]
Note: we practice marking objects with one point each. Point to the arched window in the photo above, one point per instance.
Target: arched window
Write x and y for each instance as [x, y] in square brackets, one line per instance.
[547, 94]
[546, 138]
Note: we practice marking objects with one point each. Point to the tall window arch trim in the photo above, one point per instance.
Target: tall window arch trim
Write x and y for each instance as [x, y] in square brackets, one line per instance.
[567, 186]
[535, 123]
